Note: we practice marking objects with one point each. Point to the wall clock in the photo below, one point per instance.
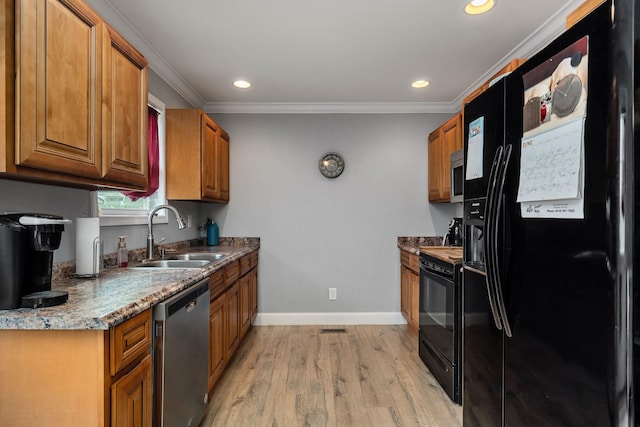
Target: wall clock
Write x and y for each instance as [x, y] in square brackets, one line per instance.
[331, 165]
[566, 95]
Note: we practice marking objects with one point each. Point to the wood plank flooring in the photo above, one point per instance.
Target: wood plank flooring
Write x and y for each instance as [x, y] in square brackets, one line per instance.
[299, 376]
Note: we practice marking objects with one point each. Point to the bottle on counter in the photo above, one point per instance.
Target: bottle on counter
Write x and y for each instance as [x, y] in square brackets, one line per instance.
[212, 233]
[123, 253]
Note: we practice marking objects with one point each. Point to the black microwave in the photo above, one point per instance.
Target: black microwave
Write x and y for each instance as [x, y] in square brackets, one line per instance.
[457, 176]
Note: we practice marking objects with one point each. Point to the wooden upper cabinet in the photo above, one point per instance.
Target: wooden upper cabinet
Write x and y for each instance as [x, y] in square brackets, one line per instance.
[581, 11]
[58, 87]
[209, 175]
[222, 148]
[78, 100]
[435, 164]
[442, 142]
[124, 112]
[197, 157]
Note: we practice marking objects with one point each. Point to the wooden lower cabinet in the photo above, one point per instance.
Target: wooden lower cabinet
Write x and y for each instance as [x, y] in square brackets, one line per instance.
[253, 292]
[217, 326]
[404, 291]
[233, 308]
[63, 377]
[414, 301]
[245, 304]
[131, 397]
[232, 316]
[410, 288]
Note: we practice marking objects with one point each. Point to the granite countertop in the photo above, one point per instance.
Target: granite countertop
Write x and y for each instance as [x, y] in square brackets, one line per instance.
[118, 294]
[412, 243]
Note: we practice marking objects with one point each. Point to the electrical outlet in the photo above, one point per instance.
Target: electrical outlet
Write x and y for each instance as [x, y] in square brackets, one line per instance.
[333, 294]
[189, 221]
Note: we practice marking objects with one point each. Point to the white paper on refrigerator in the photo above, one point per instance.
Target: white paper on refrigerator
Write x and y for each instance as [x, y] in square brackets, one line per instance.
[475, 148]
[551, 164]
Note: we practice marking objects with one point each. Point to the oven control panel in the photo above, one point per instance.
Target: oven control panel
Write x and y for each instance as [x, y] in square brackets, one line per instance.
[438, 268]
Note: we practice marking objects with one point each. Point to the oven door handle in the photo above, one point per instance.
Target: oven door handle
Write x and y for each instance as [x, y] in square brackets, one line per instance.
[496, 268]
[488, 243]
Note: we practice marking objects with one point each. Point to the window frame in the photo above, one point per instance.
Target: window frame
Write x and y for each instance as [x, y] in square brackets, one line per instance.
[118, 217]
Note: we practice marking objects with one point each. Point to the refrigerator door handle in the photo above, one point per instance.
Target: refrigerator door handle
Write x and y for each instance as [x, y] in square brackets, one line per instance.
[473, 269]
[496, 268]
[488, 247]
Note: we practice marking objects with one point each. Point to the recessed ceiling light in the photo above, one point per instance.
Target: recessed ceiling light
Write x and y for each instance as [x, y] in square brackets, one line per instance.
[242, 84]
[419, 84]
[476, 7]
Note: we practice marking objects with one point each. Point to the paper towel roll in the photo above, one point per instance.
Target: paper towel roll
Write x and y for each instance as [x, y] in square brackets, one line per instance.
[88, 262]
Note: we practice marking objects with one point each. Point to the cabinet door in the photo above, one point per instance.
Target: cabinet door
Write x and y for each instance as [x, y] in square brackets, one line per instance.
[245, 304]
[216, 339]
[232, 317]
[414, 300]
[58, 87]
[131, 397]
[222, 153]
[124, 118]
[442, 142]
[210, 183]
[404, 292]
[253, 290]
[435, 165]
[451, 141]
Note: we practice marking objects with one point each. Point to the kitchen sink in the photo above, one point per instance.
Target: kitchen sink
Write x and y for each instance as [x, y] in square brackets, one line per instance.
[174, 263]
[200, 256]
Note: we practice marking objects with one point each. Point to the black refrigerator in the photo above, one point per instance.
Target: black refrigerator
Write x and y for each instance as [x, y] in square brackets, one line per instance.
[548, 248]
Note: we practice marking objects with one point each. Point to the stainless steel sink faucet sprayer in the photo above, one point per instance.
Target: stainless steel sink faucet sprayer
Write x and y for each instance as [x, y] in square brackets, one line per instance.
[181, 225]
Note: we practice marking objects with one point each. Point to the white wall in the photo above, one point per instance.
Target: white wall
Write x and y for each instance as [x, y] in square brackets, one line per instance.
[318, 233]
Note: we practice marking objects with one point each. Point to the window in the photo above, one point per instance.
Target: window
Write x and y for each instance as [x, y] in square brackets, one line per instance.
[114, 208]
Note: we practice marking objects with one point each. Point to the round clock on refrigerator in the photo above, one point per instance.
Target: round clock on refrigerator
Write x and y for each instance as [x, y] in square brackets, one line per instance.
[566, 95]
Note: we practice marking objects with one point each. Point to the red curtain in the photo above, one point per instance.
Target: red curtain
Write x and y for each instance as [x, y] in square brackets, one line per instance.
[153, 149]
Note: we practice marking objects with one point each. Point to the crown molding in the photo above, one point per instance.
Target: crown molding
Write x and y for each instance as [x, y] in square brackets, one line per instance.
[157, 63]
[548, 31]
[330, 107]
[541, 37]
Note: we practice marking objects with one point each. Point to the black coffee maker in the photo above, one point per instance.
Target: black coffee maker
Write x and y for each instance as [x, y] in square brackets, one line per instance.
[27, 242]
[454, 233]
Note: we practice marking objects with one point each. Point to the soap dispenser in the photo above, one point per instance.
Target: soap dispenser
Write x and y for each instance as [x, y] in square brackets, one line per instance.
[123, 253]
[212, 233]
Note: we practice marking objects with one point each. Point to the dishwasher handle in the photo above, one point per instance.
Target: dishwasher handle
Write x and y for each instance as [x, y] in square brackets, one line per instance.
[187, 299]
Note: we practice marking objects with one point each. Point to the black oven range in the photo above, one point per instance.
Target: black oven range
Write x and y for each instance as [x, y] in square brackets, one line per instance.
[440, 315]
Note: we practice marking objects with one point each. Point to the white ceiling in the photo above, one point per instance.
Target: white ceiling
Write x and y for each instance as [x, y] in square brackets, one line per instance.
[331, 52]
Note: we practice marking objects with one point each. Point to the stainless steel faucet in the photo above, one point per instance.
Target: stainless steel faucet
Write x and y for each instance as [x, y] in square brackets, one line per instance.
[181, 225]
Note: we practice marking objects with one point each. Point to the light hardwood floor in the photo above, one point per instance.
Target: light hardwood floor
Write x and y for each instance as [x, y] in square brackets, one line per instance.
[298, 376]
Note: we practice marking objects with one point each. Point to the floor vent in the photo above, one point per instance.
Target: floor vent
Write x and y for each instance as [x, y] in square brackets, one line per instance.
[333, 331]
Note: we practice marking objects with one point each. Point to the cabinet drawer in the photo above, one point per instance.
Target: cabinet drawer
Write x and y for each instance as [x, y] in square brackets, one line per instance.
[216, 284]
[130, 341]
[231, 272]
[254, 259]
[245, 264]
[411, 261]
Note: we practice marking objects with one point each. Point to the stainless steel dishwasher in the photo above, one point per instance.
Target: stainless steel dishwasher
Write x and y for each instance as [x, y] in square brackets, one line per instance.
[181, 346]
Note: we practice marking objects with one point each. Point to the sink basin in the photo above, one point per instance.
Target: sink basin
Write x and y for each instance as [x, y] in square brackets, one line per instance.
[196, 256]
[174, 263]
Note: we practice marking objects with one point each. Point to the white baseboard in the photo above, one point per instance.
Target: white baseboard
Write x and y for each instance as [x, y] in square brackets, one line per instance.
[387, 318]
